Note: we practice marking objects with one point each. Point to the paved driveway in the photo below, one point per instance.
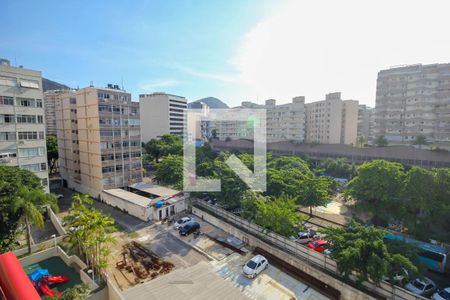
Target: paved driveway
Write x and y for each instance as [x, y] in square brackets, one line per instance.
[272, 283]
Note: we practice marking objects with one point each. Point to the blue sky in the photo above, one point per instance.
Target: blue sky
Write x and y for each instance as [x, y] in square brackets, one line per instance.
[235, 49]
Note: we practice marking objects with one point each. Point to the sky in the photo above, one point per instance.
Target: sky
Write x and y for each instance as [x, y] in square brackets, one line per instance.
[235, 50]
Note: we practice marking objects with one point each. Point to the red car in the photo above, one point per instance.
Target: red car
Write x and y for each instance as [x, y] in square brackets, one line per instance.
[318, 245]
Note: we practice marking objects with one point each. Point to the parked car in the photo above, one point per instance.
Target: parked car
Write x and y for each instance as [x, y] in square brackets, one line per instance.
[255, 266]
[319, 246]
[399, 278]
[188, 228]
[181, 222]
[59, 196]
[421, 287]
[442, 294]
[304, 237]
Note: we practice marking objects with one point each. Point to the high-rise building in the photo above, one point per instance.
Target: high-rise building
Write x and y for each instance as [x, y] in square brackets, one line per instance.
[22, 130]
[162, 113]
[365, 122]
[50, 118]
[99, 139]
[285, 122]
[414, 101]
[332, 121]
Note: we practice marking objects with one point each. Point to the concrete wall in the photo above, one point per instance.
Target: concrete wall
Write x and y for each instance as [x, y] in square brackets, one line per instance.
[113, 291]
[347, 291]
[55, 221]
[143, 213]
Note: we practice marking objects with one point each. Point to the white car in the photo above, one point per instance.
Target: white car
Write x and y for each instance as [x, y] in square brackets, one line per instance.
[442, 294]
[421, 287]
[181, 222]
[59, 196]
[255, 266]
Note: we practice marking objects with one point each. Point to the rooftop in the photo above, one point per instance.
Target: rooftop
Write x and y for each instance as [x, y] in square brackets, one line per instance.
[129, 196]
[154, 189]
[196, 282]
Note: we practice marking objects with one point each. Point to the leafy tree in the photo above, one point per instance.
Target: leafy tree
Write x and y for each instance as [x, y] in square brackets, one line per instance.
[314, 192]
[169, 171]
[381, 141]
[214, 134]
[12, 180]
[417, 193]
[361, 249]
[420, 140]
[165, 145]
[248, 204]
[279, 215]
[30, 203]
[377, 188]
[338, 167]
[361, 141]
[52, 153]
[288, 163]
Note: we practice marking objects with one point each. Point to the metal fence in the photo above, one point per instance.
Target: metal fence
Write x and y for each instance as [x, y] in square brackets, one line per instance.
[302, 252]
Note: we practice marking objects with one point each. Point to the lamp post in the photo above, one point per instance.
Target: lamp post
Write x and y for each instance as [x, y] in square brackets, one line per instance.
[90, 271]
[54, 238]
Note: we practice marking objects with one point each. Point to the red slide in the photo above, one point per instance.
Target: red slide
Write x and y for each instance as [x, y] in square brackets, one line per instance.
[48, 291]
[57, 279]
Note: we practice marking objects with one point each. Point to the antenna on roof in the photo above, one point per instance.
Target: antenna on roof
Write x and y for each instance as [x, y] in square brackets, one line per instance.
[122, 81]
[92, 84]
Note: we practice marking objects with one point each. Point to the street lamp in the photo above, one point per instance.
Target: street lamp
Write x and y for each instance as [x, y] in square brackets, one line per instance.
[54, 238]
[90, 271]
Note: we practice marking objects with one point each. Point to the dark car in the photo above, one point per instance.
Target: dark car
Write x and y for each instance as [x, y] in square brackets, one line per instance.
[188, 228]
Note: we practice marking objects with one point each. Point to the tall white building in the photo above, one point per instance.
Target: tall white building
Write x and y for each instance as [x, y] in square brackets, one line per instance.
[162, 113]
[22, 120]
[285, 122]
[332, 121]
[414, 100]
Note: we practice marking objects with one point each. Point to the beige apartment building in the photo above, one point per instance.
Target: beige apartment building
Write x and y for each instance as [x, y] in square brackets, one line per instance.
[365, 122]
[414, 100]
[162, 113]
[99, 139]
[285, 122]
[332, 121]
[50, 117]
[22, 121]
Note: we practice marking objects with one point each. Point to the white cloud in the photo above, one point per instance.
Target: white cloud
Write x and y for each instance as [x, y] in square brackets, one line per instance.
[159, 83]
[314, 47]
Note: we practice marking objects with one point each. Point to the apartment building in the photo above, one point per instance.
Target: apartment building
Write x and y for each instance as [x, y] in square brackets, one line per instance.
[22, 130]
[99, 138]
[50, 117]
[332, 121]
[285, 122]
[414, 100]
[162, 113]
[365, 122]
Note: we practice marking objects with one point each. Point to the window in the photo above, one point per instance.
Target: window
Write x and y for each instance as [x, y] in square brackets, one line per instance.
[43, 166]
[31, 135]
[7, 136]
[38, 102]
[5, 119]
[31, 152]
[44, 181]
[26, 119]
[107, 169]
[106, 108]
[73, 100]
[32, 167]
[40, 119]
[25, 102]
[8, 81]
[5, 100]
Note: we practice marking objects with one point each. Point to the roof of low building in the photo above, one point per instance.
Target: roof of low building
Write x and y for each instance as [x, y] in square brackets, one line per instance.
[129, 196]
[196, 282]
[154, 189]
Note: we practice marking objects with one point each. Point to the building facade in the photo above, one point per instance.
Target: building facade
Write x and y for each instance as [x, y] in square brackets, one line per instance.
[22, 119]
[365, 122]
[332, 121]
[414, 101]
[285, 122]
[50, 113]
[162, 113]
[99, 137]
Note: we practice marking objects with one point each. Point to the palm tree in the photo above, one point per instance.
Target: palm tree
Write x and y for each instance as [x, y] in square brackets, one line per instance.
[30, 204]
